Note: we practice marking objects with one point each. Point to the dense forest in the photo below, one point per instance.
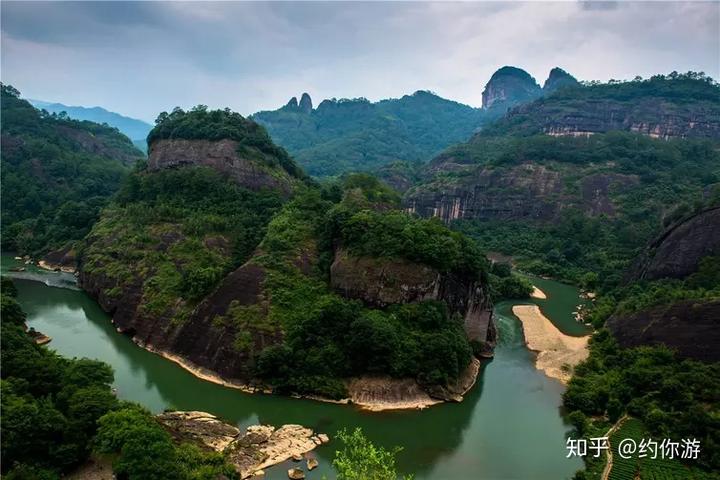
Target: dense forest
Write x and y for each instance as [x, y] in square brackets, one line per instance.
[344, 135]
[57, 174]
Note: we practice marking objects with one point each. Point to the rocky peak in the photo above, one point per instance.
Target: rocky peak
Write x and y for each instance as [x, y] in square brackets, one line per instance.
[509, 86]
[306, 105]
[292, 104]
[557, 79]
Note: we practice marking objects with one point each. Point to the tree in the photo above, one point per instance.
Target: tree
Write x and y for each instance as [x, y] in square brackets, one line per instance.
[360, 459]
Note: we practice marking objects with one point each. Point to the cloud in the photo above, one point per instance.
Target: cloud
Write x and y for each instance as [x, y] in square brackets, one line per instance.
[139, 58]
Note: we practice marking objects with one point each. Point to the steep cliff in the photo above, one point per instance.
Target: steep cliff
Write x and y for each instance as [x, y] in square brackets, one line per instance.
[692, 328]
[509, 86]
[382, 282]
[677, 252]
[685, 106]
[223, 156]
[179, 262]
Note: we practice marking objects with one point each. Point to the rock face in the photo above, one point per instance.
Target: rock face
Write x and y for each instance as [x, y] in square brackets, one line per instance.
[381, 282]
[222, 155]
[677, 252]
[509, 86]
[691, 328]
[557, 79]
[306, 105]
[260, 447]
[522, 192]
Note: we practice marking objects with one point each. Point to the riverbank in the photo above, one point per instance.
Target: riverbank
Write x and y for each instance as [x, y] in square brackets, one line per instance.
[557, 352]
[537, 293]
[373, 394]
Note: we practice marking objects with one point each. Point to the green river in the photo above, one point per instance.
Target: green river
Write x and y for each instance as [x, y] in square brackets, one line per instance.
[508, 427]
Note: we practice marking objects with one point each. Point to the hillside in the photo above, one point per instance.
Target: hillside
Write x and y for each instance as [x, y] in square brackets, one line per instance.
[572, 203]
[236, 266]
[57, 174]
[136, 130]
[357, 135]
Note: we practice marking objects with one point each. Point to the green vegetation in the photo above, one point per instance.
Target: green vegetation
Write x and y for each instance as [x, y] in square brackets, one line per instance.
[203, 124]
[361, 460]
[673, 93]
[356, 135]
[647, 467]
[673, 398]
[180, 232]
[57, 411]
[57, 174]
[507, 285]
[327, 337]
[650, 178]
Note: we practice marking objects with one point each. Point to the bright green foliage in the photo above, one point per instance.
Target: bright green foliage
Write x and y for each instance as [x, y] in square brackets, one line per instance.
[343, 136]
[504, 284]
[143, 450]
[327, 337]
[181, 231]
[203, 124]
[360, 459]
[647, 467]
[57, 174]
[662, 173]
[50, 405]
[677, 399]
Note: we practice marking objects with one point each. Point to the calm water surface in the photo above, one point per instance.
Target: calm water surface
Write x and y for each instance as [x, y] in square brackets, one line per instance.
[508, 427]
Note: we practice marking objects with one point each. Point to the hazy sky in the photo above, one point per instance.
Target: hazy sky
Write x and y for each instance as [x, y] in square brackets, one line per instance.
[139, 58]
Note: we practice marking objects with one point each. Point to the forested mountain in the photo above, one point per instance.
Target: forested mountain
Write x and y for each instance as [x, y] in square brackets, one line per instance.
[223, 253]
[57, 174]
[357, 135]
[136, 130]
[569, 203]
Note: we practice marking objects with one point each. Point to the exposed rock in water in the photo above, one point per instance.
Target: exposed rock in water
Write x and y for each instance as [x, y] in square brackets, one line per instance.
[692, 328]
[62, 260]
[260, 447]
[381, 282]
[221, 155]
[509, 86]
[312, 463]
[677, 252]
[296, 474]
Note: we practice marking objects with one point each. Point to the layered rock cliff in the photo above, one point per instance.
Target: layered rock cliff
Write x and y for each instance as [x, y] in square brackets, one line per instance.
[382, 282]
[225, 156]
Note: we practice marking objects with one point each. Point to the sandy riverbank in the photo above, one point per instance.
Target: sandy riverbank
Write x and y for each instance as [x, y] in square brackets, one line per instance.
[537, 293]
[554, 348]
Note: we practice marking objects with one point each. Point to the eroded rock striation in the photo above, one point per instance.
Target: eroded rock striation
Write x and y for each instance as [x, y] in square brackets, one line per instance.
[224, 155]
[382, 282]
[509, 86]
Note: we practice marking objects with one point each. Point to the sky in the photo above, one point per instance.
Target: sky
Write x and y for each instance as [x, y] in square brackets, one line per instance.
[140, 58]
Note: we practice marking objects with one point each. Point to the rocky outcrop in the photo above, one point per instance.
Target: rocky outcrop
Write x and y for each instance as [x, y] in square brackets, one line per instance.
[509, 86]
[677, 252]
[558, 79]
[260, 447]
[378, 393]
[381, 282]
[692, 328]
[306, 105]
[63, 259]
[225, 156]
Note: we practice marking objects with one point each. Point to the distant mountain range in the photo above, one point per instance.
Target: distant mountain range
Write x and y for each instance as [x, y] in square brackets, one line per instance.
[135, 129]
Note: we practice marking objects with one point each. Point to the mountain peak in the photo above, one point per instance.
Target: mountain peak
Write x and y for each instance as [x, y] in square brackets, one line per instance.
[559, 78]
[292, 104]
[509, 86]
[306, 105]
